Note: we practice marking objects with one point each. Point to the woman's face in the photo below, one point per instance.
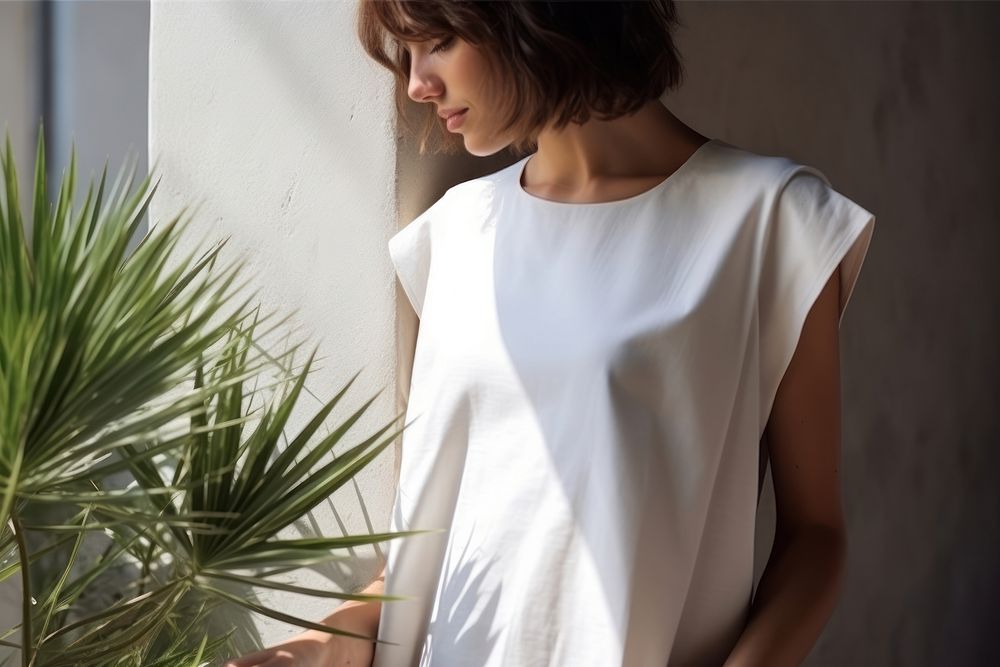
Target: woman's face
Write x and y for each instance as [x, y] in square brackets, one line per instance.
[455, 76]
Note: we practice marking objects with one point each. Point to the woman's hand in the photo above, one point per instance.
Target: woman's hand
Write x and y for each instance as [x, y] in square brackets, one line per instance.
[312, 648]
[315, 648]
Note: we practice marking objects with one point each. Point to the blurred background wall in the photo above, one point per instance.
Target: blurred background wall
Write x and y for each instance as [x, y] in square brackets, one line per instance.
[20, 74]
[82, 69]
[97, 78]
[270, 112]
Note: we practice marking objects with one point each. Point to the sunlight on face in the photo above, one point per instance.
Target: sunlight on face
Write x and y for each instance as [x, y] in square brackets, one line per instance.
[454, 75]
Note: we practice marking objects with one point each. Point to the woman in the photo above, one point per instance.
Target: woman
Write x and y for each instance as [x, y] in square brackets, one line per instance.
[610, 329]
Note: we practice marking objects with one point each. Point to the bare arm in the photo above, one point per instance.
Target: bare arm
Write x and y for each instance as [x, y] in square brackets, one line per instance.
[362, 615]
[801, 583]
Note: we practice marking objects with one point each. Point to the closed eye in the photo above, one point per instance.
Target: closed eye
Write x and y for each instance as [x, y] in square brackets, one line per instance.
[443, 45]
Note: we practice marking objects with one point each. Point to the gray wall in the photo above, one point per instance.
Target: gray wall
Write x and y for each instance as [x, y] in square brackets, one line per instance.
[19, 99]
[100, 72]
[99, 64]
[82, 68]
[894, 102]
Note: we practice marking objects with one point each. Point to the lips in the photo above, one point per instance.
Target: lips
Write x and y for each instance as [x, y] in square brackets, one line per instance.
[448, 113]
[455, 120]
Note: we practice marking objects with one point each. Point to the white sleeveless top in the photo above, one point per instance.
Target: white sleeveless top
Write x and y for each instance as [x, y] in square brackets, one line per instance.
[590, 386]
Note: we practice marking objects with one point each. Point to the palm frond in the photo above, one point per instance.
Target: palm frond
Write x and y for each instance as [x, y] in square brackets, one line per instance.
[148, 365]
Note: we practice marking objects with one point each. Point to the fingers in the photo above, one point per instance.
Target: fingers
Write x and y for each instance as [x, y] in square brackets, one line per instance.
[296, 652]
[266, 658]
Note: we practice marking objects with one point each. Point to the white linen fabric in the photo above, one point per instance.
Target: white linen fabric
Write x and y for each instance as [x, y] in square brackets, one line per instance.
[590, 386]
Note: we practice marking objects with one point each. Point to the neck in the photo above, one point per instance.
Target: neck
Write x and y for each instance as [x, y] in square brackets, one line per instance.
[650, 143]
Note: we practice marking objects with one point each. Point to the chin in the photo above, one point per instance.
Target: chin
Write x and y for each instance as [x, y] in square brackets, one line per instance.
[481, 148]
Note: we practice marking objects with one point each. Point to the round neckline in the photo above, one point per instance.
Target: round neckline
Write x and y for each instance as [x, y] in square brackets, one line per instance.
[524, 194]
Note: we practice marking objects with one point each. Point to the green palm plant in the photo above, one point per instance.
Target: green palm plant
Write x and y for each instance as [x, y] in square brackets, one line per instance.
[136, 365]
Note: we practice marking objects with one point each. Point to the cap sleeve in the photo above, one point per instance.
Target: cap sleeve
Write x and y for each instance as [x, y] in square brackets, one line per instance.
[410, 251]
[811, 229]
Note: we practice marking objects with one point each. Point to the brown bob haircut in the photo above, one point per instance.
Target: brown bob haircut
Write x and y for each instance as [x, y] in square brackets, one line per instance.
[560, 61]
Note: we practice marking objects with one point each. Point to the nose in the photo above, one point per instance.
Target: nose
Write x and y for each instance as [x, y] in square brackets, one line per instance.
[424, 83]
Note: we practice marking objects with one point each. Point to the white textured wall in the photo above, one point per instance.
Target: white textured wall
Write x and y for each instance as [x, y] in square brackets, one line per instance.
[270, 116]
